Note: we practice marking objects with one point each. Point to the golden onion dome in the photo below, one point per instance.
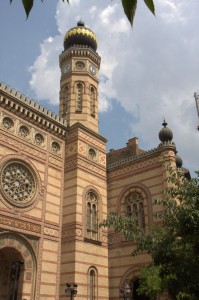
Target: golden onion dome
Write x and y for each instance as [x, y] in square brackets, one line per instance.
[80, 36]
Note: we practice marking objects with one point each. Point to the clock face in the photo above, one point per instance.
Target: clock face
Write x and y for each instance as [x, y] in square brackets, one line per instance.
[92, 69]
[66, 68]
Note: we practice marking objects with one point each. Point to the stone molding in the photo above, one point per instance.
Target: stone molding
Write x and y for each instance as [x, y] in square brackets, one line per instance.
[32, 111]
[162, 147]
[75, 52]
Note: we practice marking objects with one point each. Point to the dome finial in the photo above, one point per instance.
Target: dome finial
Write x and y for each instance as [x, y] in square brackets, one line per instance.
[164, 123]
[179, 161]
[80, 23]
[165, 133]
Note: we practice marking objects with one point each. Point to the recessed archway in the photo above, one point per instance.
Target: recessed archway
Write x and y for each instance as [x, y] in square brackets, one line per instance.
[18, 268]
[12, 274]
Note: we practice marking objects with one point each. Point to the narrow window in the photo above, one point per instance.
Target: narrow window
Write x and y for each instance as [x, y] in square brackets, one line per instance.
[92, 284]
[92, 101]
[79, 97]
[92, 224]
[65, 100]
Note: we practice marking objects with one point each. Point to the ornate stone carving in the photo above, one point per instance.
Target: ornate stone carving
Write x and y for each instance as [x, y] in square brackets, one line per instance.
[39, 139]
[51, 231]
[55, 147]
[102, 159]
[80, 65]
[7, 123]
[22, 225]
[55, 162]
[92, 154]
[18, 183]
[26, 149]
[24, 131]
[28, 275]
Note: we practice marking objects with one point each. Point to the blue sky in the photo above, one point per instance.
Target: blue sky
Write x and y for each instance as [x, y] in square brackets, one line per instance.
[151, 71]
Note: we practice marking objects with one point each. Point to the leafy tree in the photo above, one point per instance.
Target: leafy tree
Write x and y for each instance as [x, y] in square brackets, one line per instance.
[129, 7]
[174, 246]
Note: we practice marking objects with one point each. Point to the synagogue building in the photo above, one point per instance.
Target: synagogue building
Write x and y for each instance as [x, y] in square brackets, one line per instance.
[57, 183]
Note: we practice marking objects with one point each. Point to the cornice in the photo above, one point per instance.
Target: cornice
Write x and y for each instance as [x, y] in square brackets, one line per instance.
[162, 147]
[30, 110]
[79, 51]
[80, 127]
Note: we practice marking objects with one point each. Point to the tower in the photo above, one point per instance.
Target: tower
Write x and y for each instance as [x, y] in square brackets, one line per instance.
[79, 63]
[84, 251]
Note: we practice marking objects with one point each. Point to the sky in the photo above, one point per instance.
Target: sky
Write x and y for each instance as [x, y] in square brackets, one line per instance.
[148, 72]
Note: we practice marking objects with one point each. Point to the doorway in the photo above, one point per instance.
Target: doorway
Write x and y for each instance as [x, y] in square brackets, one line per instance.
[11, 274]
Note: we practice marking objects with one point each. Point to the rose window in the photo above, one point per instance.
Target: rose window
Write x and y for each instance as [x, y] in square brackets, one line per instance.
[18, 183]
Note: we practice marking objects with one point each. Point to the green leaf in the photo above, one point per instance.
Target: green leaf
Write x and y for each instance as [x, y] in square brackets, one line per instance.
[129, 7]
[27, 4]
[150, 5]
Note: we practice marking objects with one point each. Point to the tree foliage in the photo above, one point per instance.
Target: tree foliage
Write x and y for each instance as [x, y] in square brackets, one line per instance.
[129, 7]
[174, 246]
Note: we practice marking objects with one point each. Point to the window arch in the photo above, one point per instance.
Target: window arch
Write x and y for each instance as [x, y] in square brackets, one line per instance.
[65, 99]
[79, 96]
[92, 283]
[134, 206]
[92, 215]
[92, 100]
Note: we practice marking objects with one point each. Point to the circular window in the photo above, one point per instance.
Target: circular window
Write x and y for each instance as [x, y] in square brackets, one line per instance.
[80, 65]
[39, 139]
[55, 147]
[23, 131]
[7, 123]
[18, 183]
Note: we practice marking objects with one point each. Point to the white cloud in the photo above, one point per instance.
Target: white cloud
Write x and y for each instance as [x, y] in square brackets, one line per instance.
[152, 69]
[45, 72]
[107, 13]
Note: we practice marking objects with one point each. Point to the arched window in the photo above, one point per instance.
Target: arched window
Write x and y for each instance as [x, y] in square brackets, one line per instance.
[92, 100]
[79, 96]
[92, 215]
[134, 206]
[92, 285]
[65, 100]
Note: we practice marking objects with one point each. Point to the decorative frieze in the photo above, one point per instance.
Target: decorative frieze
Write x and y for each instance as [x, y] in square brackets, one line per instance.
[133, 167]
[23, 131]
[92, 140]
[51, 231]
[31, 111]
[24, 225]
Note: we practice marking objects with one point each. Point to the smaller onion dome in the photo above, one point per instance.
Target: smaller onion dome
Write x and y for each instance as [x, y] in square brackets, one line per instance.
[179, 161]
[80, 36]
[165, 133]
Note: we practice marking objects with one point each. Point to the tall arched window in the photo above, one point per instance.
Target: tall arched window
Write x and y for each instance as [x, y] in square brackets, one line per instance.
[134, 206]
[92, 215]
[65, 99]
[79, 96]
[92, 100]
[92, 285]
